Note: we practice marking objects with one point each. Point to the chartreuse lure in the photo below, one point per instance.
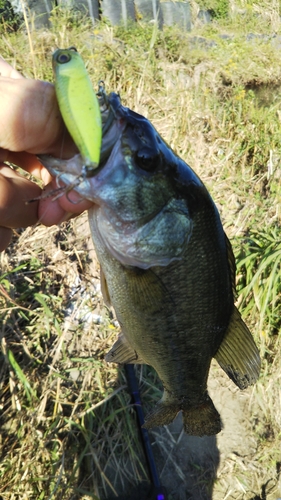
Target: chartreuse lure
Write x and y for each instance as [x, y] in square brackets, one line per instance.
[79, 105]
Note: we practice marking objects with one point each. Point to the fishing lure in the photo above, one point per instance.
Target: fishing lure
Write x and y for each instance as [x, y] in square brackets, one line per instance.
[79, 106]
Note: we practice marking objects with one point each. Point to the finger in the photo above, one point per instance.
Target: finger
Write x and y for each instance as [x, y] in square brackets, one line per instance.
[5, 237]
[7, 70]
[31, 119]
[54, 211]
[15, 191]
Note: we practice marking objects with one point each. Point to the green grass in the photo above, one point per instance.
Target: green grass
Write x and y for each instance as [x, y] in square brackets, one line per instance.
[259, 263]
[67, 428]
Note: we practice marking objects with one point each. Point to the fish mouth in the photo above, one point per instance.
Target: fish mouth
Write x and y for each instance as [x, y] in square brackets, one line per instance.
[112, 128]
[75, 171]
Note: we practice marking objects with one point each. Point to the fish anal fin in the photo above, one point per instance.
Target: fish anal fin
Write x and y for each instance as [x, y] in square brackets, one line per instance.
[238, 355]
[122, 352]
[163, 414]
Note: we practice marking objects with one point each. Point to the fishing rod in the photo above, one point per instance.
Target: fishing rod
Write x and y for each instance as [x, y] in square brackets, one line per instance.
[158, 492]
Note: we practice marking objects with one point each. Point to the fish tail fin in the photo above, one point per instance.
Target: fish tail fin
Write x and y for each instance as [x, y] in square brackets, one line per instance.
[202, 420]
[199, 420]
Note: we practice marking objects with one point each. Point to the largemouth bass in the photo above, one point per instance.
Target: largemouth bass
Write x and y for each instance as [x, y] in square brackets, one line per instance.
[167, 267]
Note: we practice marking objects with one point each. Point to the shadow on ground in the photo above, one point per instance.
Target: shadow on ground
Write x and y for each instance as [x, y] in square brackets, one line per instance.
[194, 468]
[186, 465]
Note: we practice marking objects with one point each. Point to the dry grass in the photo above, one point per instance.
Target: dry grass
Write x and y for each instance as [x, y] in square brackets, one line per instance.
[67, 428]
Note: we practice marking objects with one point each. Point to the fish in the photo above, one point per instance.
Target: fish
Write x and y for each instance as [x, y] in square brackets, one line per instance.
[167, 267]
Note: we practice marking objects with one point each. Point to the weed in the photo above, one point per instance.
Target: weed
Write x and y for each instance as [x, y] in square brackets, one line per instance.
[259, 285]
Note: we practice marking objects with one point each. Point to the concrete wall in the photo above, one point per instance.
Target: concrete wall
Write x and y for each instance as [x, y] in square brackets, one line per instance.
[116, 11]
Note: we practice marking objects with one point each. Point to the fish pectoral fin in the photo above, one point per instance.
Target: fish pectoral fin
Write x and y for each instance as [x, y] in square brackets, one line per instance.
[122, 352]
[238, 355]
[104, 288]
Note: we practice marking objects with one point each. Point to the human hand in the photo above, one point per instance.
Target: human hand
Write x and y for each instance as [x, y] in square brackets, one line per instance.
[30, 124]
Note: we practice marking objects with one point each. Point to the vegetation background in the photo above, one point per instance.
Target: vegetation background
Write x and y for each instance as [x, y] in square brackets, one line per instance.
[67, 428]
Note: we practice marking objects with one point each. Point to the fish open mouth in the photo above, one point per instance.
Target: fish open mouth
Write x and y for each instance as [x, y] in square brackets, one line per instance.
[76, 170]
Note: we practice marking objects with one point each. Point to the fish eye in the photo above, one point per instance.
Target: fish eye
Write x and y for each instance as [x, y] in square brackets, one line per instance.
[63, 58]
[147, 159]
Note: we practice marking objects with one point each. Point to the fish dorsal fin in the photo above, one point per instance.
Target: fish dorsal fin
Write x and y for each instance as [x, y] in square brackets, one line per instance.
[104, 289]
[238, 355]
[122, 352]
[232, 265]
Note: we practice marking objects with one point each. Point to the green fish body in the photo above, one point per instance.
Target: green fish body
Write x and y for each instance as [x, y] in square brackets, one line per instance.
[167, 269]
